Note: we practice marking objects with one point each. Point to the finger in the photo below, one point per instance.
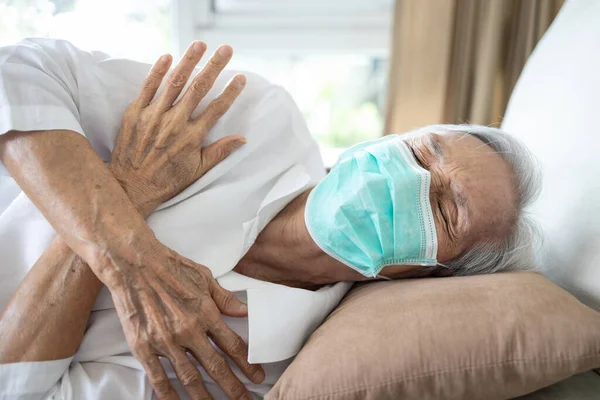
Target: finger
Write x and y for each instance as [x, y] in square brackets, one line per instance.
[216, 366]
[180, 75]
[235, 347]
[157, 376]
[221, 104]
[188, 375]
[227, 303]
[220, 150]
[204, 81]
[153, 80]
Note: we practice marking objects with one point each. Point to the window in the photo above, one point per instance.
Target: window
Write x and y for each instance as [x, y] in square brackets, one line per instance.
[330, 55]
[288, 25]
[341, 96]
[137, 29]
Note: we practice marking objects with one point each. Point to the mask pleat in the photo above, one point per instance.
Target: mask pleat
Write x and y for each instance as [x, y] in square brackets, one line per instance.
[369, 211]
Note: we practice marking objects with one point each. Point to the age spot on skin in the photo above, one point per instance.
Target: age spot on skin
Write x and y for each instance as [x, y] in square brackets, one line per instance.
[98, 187]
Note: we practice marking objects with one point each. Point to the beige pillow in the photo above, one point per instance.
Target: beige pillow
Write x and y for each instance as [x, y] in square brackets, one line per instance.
[483, 337]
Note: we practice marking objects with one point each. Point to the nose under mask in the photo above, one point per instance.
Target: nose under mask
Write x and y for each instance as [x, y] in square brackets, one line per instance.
[373, 210]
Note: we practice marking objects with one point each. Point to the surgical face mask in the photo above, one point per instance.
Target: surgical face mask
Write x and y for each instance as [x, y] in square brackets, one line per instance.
[373, 209]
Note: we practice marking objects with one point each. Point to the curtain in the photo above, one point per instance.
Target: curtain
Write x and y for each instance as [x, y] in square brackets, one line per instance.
[457, 61]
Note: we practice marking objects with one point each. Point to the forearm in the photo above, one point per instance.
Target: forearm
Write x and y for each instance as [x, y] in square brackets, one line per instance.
[167, 304]
[77, 194]
[47, 315]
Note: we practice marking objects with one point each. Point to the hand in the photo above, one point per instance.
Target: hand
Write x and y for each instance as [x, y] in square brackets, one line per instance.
[158, 151]
[170, 306]
[167, 304]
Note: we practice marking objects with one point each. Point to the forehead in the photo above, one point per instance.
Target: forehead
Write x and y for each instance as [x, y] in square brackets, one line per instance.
[482, 175]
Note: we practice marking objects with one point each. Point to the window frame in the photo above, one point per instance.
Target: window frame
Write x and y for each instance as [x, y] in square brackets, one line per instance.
[277, 32]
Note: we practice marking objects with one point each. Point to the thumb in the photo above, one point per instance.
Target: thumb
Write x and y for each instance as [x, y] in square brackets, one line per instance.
[221, 149]
[227, 303]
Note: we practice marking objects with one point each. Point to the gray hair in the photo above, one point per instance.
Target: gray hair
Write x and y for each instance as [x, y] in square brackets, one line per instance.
[516, 252]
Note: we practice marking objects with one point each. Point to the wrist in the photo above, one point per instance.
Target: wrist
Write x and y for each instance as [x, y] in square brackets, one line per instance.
[123, 255]
[134, 191]
[144, 208]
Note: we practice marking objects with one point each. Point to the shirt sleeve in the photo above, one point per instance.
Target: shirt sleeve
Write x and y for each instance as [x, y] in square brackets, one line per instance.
[38, 91]
[30, 380]
[39, 86]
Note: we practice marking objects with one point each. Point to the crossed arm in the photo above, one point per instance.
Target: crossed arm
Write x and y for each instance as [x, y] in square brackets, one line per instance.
[167, 304]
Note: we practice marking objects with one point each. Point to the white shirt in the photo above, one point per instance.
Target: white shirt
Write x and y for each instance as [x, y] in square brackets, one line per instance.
[50, 84]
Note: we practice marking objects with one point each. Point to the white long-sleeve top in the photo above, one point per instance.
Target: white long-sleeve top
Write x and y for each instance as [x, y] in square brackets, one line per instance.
[49, 84]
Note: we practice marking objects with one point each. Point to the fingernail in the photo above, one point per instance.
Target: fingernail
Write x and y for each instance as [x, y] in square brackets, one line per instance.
[258, 376]
[236, 146]
[239, 80]
[165, 58]
[198, 47]
[225, 51]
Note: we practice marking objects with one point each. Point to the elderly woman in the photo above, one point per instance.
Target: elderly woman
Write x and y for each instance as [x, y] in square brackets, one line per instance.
[254, 210]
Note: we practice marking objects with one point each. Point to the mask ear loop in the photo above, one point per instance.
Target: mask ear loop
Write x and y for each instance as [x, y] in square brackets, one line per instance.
[439, 264]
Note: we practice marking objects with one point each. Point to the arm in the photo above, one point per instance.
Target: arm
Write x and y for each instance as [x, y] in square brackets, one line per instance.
[161, 297]
[47, 316]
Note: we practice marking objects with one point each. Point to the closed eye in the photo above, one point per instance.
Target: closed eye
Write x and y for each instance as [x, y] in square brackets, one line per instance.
[419, 161]
[444, 217]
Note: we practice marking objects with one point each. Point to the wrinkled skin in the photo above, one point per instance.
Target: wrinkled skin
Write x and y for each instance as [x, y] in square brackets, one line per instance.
[168, 305]
[473, 190]
[158, 151]
[473, 197]
[176, 304]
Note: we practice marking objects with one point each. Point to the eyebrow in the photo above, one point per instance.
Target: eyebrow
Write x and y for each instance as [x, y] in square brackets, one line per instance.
[435, 145]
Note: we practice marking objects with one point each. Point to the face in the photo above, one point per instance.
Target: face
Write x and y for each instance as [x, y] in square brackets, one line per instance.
[473, 194]
[473, 190]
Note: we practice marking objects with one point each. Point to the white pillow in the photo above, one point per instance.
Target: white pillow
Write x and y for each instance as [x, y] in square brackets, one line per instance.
[555, 110]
